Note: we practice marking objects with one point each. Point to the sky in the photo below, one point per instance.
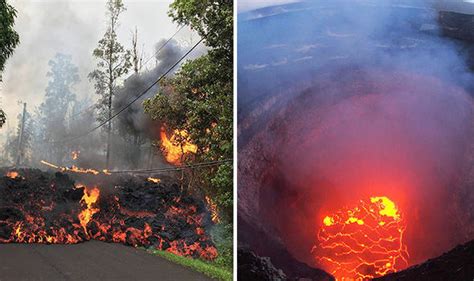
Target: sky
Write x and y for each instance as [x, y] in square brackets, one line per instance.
[247, 5]
[73, 27]
[454, 5]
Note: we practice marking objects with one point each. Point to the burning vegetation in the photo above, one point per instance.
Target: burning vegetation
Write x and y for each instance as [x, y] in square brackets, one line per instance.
[176, 146]
[363, 242]
[45, 208]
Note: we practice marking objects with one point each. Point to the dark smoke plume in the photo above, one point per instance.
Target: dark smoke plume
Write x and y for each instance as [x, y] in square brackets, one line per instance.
[133, 120]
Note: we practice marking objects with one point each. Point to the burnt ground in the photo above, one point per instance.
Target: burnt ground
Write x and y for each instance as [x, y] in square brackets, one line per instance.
[91, 260]
[455, 265]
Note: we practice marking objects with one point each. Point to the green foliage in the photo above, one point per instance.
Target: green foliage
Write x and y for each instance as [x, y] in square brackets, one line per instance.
[9, 39]
[113, 60]
[210, 269]
[8, 36]
[3, 118]
[213, 20]
[199, 97]
[222, 235]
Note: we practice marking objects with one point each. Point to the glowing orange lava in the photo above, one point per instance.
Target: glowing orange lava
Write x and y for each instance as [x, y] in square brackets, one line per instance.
[12, 174]
[176, 146]
[154, 180]
[76, 169]
[363, 242]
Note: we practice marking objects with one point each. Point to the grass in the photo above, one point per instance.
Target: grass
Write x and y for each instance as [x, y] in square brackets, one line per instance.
[211, 269]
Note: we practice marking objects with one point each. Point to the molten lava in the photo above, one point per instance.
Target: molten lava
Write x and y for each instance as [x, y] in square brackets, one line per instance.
[176, 146]
[154, 180]
[363, 242]
[12, 174]
[76, 169]
[52, 209]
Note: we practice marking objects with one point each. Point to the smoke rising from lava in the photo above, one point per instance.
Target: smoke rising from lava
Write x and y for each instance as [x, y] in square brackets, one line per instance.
[359, 100]
[133, 118]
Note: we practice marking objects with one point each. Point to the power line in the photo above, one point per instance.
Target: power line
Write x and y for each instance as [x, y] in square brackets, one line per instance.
[140, 68]
[147, 171]
[135, 99]
[179, 168]
[161, 47]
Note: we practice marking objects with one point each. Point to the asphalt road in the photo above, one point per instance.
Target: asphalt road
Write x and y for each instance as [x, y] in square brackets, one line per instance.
[89, 261]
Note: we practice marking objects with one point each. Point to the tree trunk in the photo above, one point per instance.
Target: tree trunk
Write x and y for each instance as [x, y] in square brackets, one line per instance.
[20, 137]
[109, 127]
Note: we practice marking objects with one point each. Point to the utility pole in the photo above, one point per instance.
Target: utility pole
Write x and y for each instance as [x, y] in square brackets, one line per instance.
[20, 138]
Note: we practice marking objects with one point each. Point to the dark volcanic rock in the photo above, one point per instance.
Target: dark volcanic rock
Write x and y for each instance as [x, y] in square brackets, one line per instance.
[254, 268]
[42, 207]
[455, 265]
[264, 245]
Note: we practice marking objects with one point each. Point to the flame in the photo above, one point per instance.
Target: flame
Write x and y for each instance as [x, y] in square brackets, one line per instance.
[154, 180]
[75, 154]
[89, 198]
[173, 148]
[213, 209]
[363, 242]
[12, 174]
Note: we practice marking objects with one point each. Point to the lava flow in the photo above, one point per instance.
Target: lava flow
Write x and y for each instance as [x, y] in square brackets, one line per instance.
[176, 146]
[12, 174]
[154, 180]
[363, 242]
[39, 207]
[75, 169]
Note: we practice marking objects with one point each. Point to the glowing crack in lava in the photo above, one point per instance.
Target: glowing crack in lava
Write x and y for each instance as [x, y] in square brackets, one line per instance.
[363, 242]
[176, 146]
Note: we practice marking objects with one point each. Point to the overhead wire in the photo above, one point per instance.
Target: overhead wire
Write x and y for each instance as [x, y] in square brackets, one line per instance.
[87, 109]
[178, 168]
[133, 100]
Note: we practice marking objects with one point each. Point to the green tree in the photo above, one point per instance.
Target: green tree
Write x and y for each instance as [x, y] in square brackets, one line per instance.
[59, 99]
[9, 39]
[199, 97]
[113, 61]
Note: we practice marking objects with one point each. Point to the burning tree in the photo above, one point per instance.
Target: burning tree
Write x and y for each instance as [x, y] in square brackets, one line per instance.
[196, 106]
[198, 100]
[113, 62]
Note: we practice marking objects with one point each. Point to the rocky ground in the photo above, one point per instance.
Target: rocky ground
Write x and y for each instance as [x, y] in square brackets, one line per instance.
[455, 265]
